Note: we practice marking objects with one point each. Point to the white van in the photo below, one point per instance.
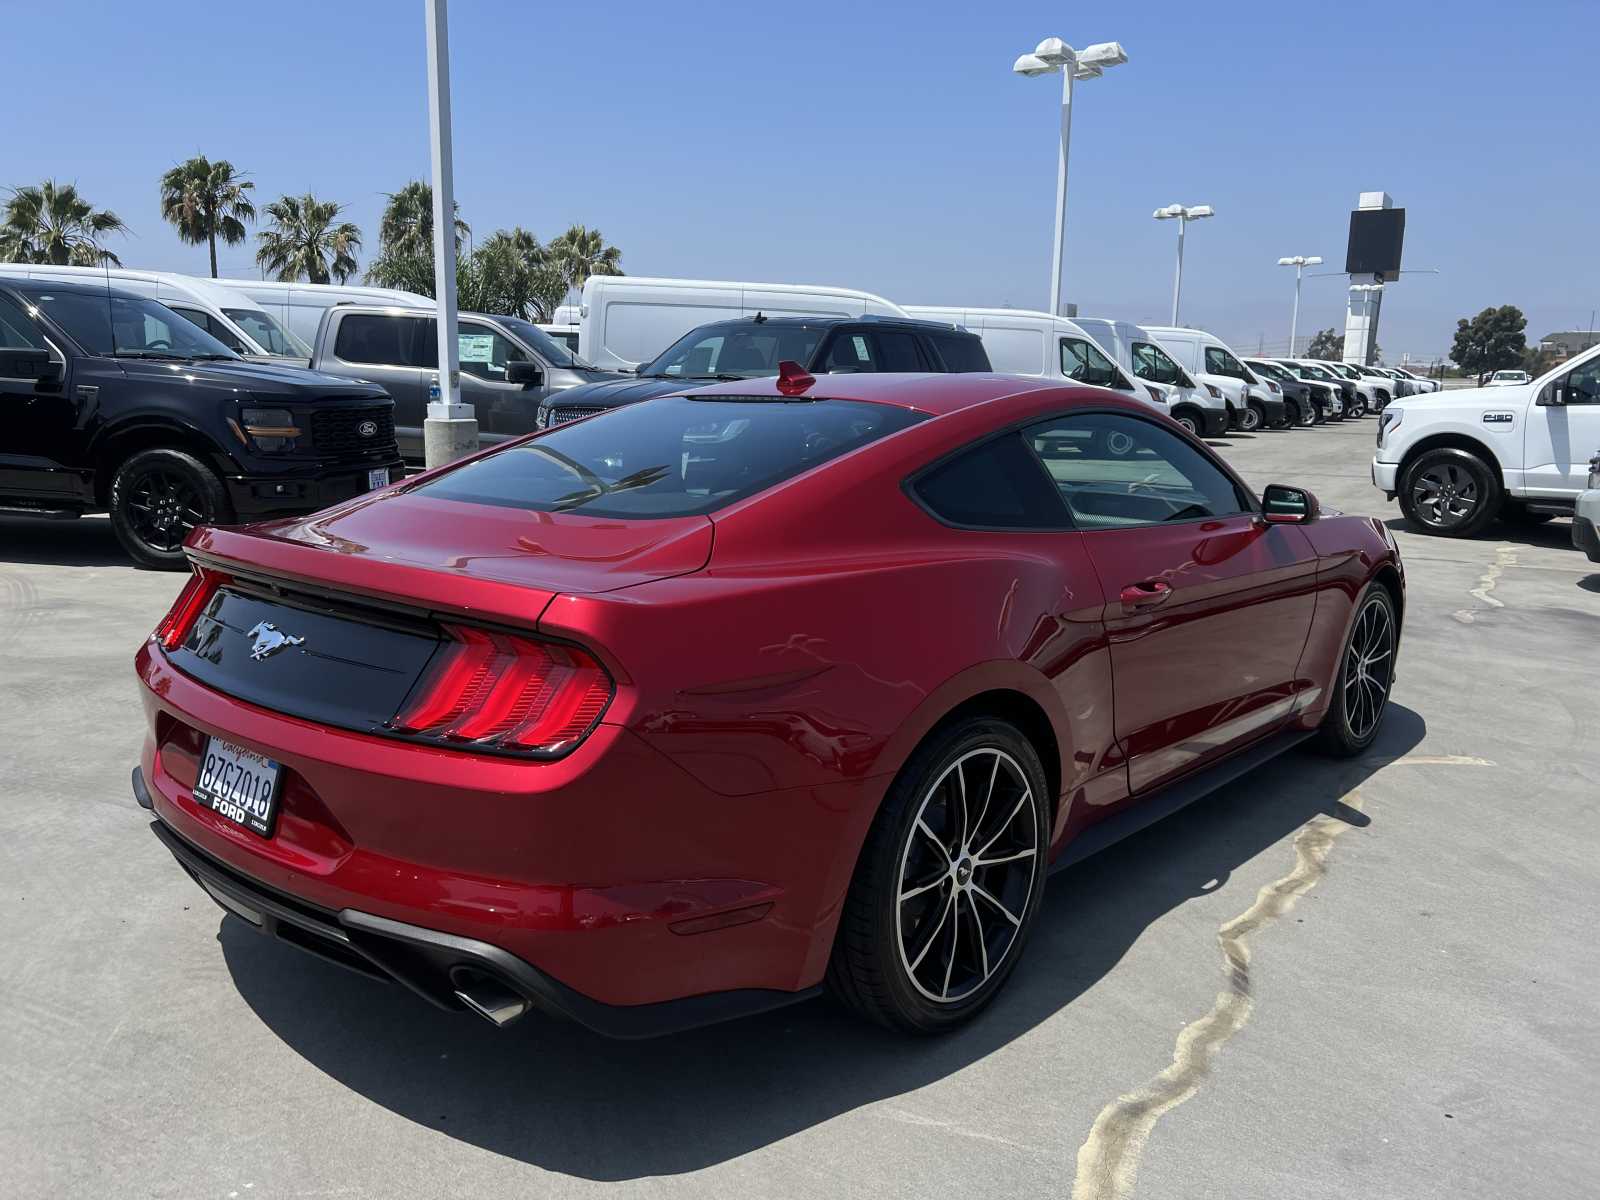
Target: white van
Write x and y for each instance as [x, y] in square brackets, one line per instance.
[1201, 410]
[1038, 345]
[567, 335]
[1255, 402]
[300, 305]
[625, 320]
[234, 320]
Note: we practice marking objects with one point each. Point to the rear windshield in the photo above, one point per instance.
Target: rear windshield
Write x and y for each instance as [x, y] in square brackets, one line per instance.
[671, 457]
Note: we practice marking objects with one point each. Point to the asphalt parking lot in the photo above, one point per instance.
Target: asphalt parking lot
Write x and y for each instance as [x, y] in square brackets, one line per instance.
[1375, 978]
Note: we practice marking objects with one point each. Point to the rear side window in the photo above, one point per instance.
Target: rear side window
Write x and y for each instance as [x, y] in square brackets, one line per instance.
[674, 457]
[898, 352]
[383, 341]
[995, 485]
[214, 327]
[17, 328]
[960, 354]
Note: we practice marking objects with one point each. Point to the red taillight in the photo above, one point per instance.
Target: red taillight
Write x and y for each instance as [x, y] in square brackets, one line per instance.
[186, 609]
[505, 692]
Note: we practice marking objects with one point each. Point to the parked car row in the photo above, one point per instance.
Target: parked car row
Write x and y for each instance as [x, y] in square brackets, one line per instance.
[89, 409]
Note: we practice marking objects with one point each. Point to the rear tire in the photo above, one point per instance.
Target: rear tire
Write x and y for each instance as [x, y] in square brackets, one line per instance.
[930, 930]
[157, 498]
[1365, 676]
[1450, 493]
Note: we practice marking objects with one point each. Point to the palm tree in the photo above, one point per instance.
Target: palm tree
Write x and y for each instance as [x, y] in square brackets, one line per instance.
[53, 224]
[583, 252]
[206, 200]
[407, 225]
[306, 240]
[510, 273]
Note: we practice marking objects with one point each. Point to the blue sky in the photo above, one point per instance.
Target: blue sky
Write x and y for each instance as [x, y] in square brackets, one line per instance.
[879, 145]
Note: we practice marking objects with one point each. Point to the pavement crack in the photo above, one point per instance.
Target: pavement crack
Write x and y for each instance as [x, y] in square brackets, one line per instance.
[1108, 1160]
[1504, 556]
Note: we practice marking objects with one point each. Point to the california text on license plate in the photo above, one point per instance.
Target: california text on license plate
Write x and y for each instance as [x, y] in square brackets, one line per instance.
[238, 784]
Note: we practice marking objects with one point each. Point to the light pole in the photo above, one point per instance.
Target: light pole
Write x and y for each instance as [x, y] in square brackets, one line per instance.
[1299, 262]
[1048, 57]
[450, 429]
[1183, 216]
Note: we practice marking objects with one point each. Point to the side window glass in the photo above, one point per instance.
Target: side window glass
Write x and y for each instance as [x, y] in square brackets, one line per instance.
[1583, 384]
[1115, 471]
[1082, 361]
[961, 354]
[852, 353]
[17, 329]
[899, 352]
[1152, 363]
[382, 341]
[484, 352]
[1220, 362]
[995, 485]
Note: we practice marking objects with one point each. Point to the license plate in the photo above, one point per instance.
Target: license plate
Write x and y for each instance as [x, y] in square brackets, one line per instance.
[377, 477]
[238, 784]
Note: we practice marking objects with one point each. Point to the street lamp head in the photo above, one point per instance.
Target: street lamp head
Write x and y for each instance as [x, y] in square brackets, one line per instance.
[1300, 260]
[1102, 54]
[1054, 51]
[1199, 211]
[1168, 213]
[1032, 64]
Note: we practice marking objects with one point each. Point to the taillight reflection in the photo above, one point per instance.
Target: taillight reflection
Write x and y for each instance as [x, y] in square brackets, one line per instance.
[499, 691]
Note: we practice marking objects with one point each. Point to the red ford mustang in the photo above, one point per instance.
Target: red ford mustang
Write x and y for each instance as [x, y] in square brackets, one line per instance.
[695, 707]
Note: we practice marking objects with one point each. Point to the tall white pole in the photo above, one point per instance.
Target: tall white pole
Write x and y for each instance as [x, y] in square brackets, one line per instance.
[1294, 321]
[1067, 69]
[451, 443]
[1177, 278]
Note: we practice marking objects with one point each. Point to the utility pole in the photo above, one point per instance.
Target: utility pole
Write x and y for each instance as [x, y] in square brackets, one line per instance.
[451, 429]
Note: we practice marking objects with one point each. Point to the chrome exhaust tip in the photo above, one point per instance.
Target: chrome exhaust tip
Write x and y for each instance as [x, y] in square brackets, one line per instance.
[488, 997]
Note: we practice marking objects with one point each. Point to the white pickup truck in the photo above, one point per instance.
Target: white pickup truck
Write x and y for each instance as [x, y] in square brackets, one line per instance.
[1456, 460]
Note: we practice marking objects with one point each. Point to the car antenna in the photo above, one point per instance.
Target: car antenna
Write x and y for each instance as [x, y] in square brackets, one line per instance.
[761, 317]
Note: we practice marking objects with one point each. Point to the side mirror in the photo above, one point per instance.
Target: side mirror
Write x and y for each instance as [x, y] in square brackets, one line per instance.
[529, 374]
[27, 362]
[1552, 396]
[1285, 505]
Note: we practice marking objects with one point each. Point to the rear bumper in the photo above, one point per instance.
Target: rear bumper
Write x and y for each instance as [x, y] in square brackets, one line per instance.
[258, 496]
[612, 871]
[434, 964]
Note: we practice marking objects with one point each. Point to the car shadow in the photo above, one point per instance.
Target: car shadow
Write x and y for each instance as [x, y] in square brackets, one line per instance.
[566, 1100]
[1555, 533]
[82, 542]
[1590, 583]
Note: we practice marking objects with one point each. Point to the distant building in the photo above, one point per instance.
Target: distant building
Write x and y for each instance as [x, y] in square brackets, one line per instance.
[1565, 345]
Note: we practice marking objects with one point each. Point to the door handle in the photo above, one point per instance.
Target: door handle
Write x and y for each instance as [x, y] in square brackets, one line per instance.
[1146, 594]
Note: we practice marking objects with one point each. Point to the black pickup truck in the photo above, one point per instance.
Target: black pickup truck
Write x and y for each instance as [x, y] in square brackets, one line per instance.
[110, 401]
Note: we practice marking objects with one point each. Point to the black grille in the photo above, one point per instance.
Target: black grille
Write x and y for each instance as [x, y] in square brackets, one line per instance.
[560, 416]
[338, 432]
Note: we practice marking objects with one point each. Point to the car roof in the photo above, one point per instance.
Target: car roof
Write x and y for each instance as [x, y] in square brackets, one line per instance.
[934, 394]
[832, 319]
[32, 287]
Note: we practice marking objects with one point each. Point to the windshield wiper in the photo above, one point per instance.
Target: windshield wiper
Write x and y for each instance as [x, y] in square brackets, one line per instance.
[213, 357]
[594, 491]
[166, 355]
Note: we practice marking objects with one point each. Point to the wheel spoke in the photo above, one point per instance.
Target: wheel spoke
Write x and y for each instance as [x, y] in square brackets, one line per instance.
[1027, 794]
[955, 944]
[926, 887]
[983, 949]
[961, 787]
[934, 838]
[1015, 920]
[934, 936]
[988, 795]
[995, 862]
